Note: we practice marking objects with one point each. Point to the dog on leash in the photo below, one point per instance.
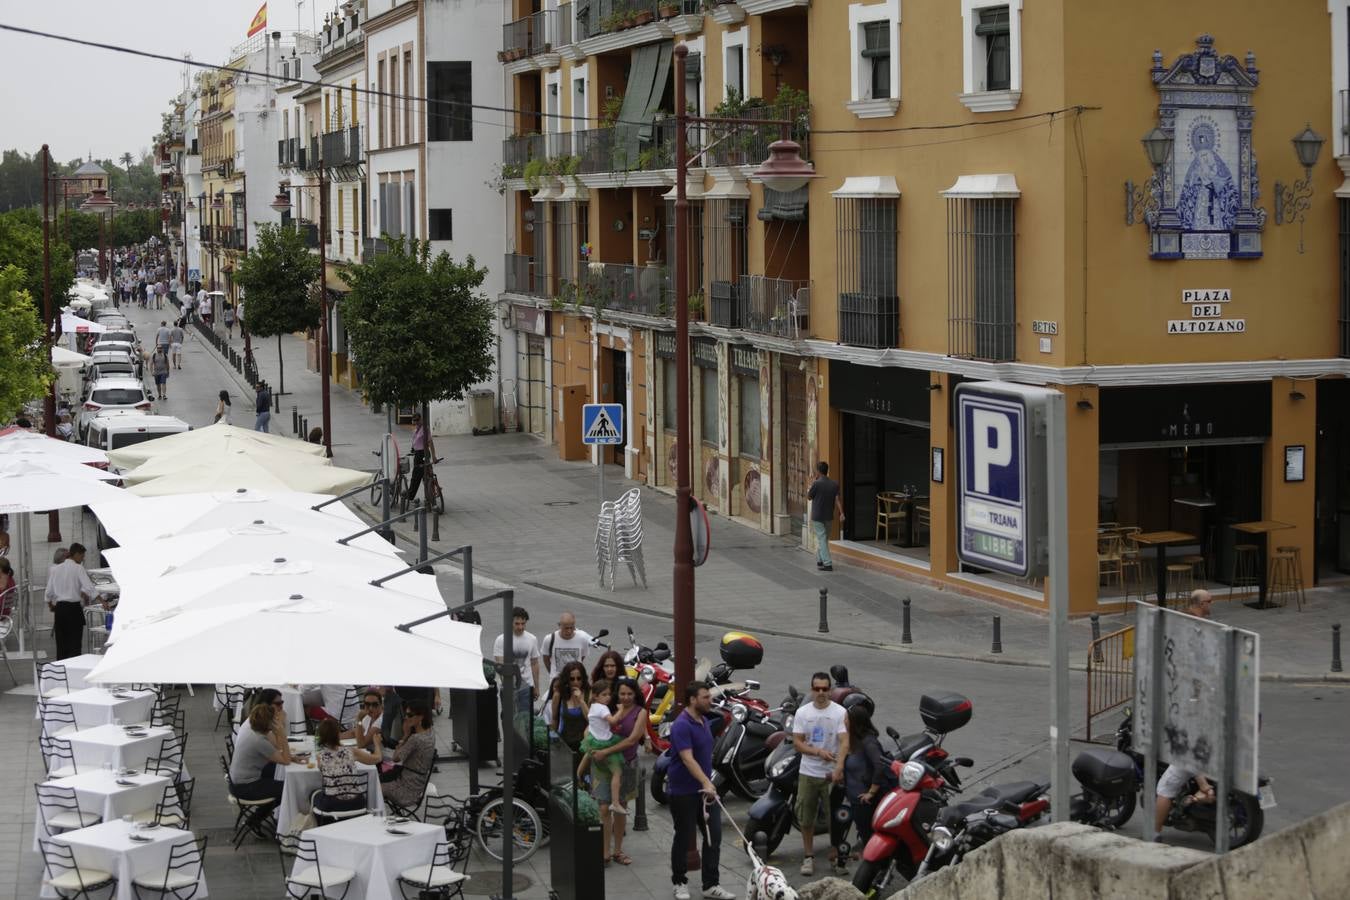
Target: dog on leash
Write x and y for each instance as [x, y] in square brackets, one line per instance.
[766, 882]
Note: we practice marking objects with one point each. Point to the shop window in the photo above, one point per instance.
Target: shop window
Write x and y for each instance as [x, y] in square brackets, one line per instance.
[992, 77]
[869, 305]
[449, 99]
[748, 395]
[440, 224]
[981, 290]
[669, 383]
[708, 405]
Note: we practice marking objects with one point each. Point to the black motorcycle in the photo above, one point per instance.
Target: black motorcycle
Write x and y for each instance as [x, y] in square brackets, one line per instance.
[1112, 778]
[743, 747]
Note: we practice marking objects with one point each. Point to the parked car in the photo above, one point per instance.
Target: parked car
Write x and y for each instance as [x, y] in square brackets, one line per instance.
[113, 392]
[119, 336]
[113, 429]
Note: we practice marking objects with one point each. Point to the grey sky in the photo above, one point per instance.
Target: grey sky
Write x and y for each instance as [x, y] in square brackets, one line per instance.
[79, 99]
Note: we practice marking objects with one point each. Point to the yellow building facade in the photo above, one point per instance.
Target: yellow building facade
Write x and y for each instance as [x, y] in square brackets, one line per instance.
[984, 210]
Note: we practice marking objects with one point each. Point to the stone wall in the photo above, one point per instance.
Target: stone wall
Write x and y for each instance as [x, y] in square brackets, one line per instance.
[1077, 862]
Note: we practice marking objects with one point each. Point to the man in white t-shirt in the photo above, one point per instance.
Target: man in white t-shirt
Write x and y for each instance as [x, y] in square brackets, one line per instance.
[820, 735]
[525, 652]
[567, 644]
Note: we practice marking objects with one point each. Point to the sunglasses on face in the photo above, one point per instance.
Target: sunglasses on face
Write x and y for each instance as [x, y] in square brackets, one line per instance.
[371, 705]
[818, 689]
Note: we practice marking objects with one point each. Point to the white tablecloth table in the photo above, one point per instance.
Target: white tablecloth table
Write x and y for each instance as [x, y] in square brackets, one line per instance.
[302, 781]
[364, 845]
[97, 791]
[108, 846]
[77, 667]
[111, 744]
[96, 706]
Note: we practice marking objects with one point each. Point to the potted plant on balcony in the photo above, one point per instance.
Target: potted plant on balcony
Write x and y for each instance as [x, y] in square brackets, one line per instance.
[669, 10]
[696, 305]
[643, 16]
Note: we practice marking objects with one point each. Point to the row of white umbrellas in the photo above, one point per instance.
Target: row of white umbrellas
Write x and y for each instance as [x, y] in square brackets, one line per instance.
[243, 586]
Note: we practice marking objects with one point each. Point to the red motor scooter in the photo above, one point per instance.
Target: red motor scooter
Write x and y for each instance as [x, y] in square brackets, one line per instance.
[927, 778]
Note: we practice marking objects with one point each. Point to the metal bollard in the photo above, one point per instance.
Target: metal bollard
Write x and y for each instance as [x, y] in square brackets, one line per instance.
[295, 420]
[905, 636]
[1336, 647]
[824, 625]
[276, 403]
[998, 635]
[304, 427]
[640, 812]
[1096, 636]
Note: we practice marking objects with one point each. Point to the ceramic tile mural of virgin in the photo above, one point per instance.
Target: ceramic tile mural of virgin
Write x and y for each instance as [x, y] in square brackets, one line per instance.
[1209, 198]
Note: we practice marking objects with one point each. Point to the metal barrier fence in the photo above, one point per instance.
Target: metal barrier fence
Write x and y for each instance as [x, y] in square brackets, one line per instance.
[1110, 673]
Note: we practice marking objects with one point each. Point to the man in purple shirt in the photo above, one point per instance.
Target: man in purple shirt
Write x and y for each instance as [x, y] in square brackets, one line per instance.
[693, 799]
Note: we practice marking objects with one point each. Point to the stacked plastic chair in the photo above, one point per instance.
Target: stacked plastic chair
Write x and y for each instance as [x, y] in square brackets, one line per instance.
[618, 539]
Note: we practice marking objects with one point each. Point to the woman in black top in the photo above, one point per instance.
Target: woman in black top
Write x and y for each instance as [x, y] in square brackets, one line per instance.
[570, 700]
[864, 770]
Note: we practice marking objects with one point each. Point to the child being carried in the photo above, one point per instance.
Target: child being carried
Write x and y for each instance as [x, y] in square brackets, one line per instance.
[600, 735]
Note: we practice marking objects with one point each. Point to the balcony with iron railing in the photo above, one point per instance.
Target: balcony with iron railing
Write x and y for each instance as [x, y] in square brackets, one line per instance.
[775, 306]
[869, 320]
[519, 150]
[625, 148]
[311, 163]
[594, 18]
[309, 232]
[342, 147]
[541, 32]
[738, 144]
[372, 247]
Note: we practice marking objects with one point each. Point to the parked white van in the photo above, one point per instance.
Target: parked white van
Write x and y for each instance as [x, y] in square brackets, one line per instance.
[118, 428]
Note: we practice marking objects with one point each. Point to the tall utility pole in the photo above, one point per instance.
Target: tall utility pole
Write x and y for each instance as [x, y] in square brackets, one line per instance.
[49, 401]
[323, 305]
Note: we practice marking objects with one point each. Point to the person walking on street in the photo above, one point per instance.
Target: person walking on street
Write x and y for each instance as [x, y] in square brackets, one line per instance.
[228, 315]
[159, 367]
[824, 497]
[263, 407]
[176, 336]
[694, 807]
[525, 653]
[222, 408]
[163, 336]
[820, 734]
[567, 644]
[69, 588]
[419, 447]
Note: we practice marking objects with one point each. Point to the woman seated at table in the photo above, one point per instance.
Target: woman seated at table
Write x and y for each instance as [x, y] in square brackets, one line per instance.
[253, 770]
[280, 731]
[335, 760]
[405, 783]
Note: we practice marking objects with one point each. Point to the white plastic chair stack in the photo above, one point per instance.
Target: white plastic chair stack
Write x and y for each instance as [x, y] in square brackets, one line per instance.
[618, 538]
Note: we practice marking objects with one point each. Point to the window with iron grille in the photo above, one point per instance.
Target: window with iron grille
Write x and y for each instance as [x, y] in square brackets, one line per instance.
[866, 242]
[993, 37]
[541, 248]
[708, 405]
[728, 231]
[748, 397]
[669, 406]
[981, 283]
[876, 54]
[565, 243]
[695, 249]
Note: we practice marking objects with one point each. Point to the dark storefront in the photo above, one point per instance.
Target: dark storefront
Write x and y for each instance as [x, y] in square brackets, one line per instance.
[1184, 458]
[885, 427]
[1333, 477]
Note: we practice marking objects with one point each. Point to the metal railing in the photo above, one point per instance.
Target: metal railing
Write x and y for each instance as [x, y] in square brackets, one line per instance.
[776, 306]
[748, 145]
[371, 247]
[520, 149]
[867, 320]
[312, 160]
[1110, 673]
[518, 271]
[342, 147]
[626, 148]
[310, 232]
[619, 286]
[594, 17]
[539, 32]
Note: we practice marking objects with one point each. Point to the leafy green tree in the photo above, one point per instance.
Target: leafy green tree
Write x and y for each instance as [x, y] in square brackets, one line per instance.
[25, 370]
[21, 245]
[419, 328]
[276, 275]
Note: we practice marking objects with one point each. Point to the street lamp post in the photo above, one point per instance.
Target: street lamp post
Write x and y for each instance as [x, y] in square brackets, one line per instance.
[49, 400]
[100, 203]
[784, 170]
[217, 204]
[324, 361]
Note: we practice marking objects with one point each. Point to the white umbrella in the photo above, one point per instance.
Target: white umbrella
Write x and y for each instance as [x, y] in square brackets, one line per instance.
[224, 456]
[71, 324]
[67, 359]
[42, 449]
[243, 472]
[295, 628]
[138, 520]
[201, 438]
[80, 303]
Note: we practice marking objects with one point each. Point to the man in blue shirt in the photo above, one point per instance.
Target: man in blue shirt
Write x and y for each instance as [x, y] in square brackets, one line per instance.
[693, 799]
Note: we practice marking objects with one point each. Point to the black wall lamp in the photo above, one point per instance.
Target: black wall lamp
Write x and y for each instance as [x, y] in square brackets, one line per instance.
[1292, 202]
[1141, 202]
[1084, 405]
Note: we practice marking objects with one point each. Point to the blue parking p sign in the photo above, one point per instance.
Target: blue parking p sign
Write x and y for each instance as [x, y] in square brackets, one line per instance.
[602, 423]
[1001, 496]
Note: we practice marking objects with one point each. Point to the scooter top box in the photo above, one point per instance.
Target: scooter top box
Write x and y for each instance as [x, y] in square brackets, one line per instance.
[740, 650]
[945, 712]
[1109, 773]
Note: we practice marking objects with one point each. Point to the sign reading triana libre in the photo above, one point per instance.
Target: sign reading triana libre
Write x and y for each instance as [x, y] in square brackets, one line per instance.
[1207, 308]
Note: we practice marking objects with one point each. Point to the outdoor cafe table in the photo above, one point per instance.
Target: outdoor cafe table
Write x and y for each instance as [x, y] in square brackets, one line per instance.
[108, 846]
[112, 745]
[364, 845]
[77, 667]
[97, 706]
[1261, 529]
[1161, 539]
[302, 781]
[98, 792]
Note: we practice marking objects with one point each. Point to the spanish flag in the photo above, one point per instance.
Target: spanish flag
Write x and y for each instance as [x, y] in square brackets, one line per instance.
[259, 21]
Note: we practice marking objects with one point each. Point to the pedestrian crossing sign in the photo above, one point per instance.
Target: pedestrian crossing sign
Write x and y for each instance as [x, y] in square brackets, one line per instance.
[602, 423]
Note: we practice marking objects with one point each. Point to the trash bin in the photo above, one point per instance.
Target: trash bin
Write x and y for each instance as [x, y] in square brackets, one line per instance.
[482, 412]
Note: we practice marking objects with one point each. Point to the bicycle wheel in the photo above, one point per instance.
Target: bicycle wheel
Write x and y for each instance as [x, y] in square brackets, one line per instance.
[376, 492]
[527, 829]
[439, 498]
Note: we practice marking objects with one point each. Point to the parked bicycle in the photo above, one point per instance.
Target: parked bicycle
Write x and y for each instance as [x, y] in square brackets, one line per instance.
[399, 481]
[437, 495]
